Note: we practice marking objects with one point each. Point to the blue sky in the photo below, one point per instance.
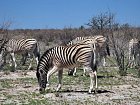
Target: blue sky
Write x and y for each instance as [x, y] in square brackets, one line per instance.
[40, 14]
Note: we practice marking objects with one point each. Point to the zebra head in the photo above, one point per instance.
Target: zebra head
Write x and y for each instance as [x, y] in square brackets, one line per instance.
[2, 47]
[102, 43]
[42, 80]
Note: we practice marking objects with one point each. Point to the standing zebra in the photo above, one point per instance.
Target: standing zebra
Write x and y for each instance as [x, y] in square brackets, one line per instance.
[57, 58]
[134, 51]
[20, 46]
[102, 54]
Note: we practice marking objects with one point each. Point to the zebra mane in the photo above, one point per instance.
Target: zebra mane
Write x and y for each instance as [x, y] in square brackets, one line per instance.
[47, 51]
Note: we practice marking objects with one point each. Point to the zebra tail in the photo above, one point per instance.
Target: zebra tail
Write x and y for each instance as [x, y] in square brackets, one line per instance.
[37, 50]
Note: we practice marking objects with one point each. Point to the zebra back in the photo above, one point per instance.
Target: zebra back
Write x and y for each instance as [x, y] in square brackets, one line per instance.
[64, 56]
[96, 39]
[99, 40]
[78, 40]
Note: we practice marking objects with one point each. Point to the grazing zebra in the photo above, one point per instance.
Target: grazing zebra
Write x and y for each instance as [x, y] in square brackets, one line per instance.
[102, 54]
[134, 51]
[20, 46]
[57, 58]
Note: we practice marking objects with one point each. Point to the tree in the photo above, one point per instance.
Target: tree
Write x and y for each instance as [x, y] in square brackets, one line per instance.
[116, 34]
[102, 22]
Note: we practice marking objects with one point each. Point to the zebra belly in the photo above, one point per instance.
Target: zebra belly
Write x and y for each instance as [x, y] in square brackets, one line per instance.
[61, 64]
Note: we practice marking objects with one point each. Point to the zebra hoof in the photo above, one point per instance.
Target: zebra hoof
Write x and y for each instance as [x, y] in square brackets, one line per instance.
[70, 74]
[89, 92]
[47, 84]
[42, 90]
[95, 92]
[57, 94]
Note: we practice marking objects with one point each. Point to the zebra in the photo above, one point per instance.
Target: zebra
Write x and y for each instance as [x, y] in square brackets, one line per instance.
[59, 57]
[20, 46]
[134, 46]
[102, 54]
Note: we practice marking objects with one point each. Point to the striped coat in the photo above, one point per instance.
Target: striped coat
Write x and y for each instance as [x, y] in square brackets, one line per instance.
[102, 53]
[57, 58]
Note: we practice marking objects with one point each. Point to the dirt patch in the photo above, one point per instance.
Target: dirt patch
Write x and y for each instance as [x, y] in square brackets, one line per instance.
[17, 74]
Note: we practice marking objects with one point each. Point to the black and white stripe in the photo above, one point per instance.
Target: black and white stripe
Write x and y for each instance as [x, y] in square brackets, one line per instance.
[102, 53]
[20, 46]
[79, 39]
[57, 58]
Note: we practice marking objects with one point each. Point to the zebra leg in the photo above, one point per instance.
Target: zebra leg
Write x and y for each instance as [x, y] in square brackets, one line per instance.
[4, 62]
[37, 56]
[36, 53]
[13, 61]
[31, 61]
[104, 61]
[93, 75]
[130, 64]
[84, 69]
[60, 73]
[95, 80]
[5, 58]
[74, 73]
[30, 66]
[24, 58]
[132, 61]
[50, 72]
[91, 82]
[10, 62]
[36, 60]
